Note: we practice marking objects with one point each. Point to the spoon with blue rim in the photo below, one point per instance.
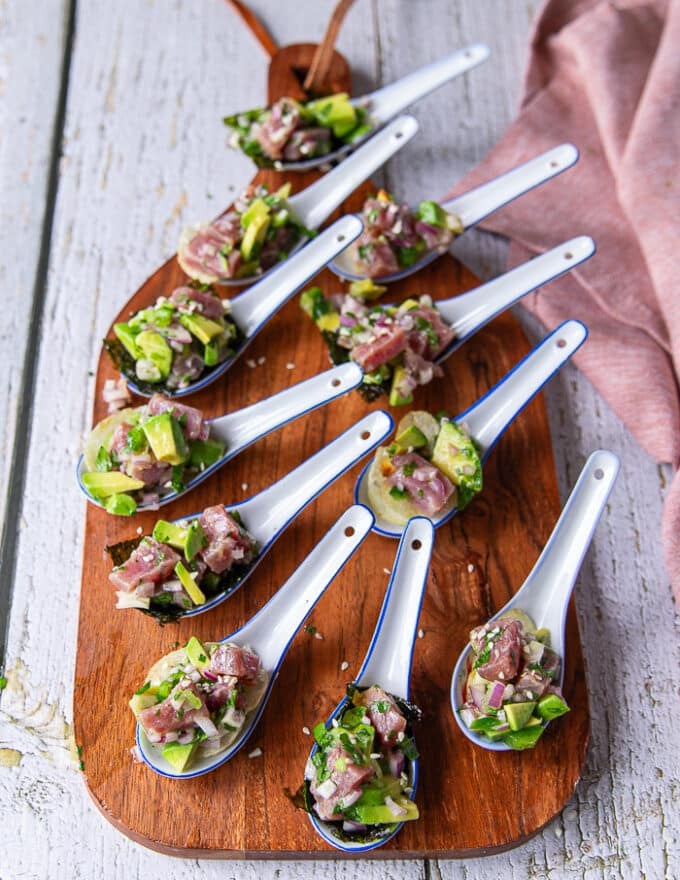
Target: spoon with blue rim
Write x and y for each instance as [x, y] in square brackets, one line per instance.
[385, 103]
[270, 632]
[486, 420]
[387, 665]
[473, 206]
[264, 516]
[311, 207]
[252, 309]
[231, 433]
[545, 594]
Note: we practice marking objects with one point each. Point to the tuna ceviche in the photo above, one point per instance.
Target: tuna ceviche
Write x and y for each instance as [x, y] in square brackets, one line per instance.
[174, 342]
[183, 564]
[395, 346]
[258, 232]
[512, 688]
[395, 237]
[358, 773]
[196, 700]
[291, 131]
[141, 454]
[431, 467]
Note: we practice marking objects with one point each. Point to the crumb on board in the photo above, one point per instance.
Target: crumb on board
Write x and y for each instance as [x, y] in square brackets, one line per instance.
[244, 487]
[306, 730]
[251, 363]
[471, 568]
[256, 753]
[317, 635]
[387, 571]
[290, 366]
[344, 665]
[421, 633]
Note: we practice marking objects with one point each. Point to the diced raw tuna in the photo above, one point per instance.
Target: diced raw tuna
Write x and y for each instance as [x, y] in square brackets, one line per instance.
[119, 440]
[232, 660]
[208, 304]
[388, 342]
[384, 714]
[506, 652]
[434, 236]
[438, 328]
[532, 682]
[307, 142]
[150, 561]
[428, 488]
[152, 473]
[347, 778]
[219, 694]
[551, 663]
[185, 368]
[273, 134]
[227, 546]
[172, 713]
[193, 418]
[199, 253]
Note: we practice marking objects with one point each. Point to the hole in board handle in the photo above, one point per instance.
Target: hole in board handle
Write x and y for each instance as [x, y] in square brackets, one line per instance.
[349, 531]
[598, 474]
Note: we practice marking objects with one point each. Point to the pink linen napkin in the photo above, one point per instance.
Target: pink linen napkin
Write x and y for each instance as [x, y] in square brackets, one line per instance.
[606, 76]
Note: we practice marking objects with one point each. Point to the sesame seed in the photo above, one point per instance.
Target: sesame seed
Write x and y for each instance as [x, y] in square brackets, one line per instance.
[261, 360]
[334, 722]
[558, 832]
[400, 736]
[290, 366]
[344, 665]
[471, 568]
[256, 753]
[421, 634]
[251, 363]
[317, 635]
[244, 486]
[306, 730]
[139, 530]
[387, 571]
[374, 756]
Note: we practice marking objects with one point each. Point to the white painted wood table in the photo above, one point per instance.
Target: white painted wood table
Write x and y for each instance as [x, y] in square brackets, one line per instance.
[110, 141]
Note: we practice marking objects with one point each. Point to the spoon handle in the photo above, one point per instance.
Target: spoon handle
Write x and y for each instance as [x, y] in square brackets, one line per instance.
[267, 514]
[488, 418]
[256, 305]
[239, 429]
[318, 201]
[389, 657]
[469, 312]
[273, 627]
[545, 593]
[473, 206]
[392, 99]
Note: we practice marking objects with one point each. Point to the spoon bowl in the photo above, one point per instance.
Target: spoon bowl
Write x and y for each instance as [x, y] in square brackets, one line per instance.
[240, 429]
[389, 658]
[546, 592]
[474, 206]
[487, 419]
[270, 632]
[269, 513]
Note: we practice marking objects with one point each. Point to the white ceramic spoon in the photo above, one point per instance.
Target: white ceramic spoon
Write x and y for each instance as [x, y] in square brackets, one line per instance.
[252, 309]
[475, 205]
[314, 205]
[390, 654]
[240, 429]
[487, 419]
[270, 512]
[270, 632]
[545, 594]
[386, 103]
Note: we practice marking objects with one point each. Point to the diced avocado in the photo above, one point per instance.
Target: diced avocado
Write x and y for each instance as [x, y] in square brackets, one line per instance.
[195, 593]
[101, 484]
[154, 348]
[543, 635]
[255, 212]
[381, 814]
[455, 455]
[396, 398]
[255, 234]
[336, 112]
[202, 328]
[203, 453]
[432, 213]
[166, 438]
[128, 337]
[178, 755]
[411, 438]
[551, 707]
[532, 722]
[169, 533]
[329, 322]
[120, 504]
[281, 217]
[283, 191]
[366, 289]
[142, 701]
[197, 654]
[196, 540]
[518, 714]
[408, 305]
[495, 735]
[526, 738]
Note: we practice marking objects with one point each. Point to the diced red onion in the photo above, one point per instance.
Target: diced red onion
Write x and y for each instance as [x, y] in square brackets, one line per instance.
[326, 789]
[186, 737]
[495, 698]
[351, 798]
[209, 675]
[152, 736]
[206, 725]
[346, 321]
[477, 695]
[468, 716]
[396, 762]
[173, 586]
[171, 736]
[394, 807]
[350, 826]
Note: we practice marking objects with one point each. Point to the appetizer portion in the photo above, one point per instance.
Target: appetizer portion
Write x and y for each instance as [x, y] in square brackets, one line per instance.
[511, 690]
[184, 564]
[196, 700]
[139, 455]
[395, 346]
[395, 237]
[290, 130]
[358, 775]
[258, 232]
[431, 467]
[176, 341]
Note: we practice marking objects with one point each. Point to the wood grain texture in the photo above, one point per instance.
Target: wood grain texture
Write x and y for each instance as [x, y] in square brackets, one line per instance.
[479, 560]
[144, 156]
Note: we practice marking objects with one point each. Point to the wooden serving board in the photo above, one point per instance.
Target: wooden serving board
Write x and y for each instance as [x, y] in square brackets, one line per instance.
[472, 801]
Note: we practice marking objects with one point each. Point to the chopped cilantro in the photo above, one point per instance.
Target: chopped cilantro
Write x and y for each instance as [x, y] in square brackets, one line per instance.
[144, 688]
[398, 493]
